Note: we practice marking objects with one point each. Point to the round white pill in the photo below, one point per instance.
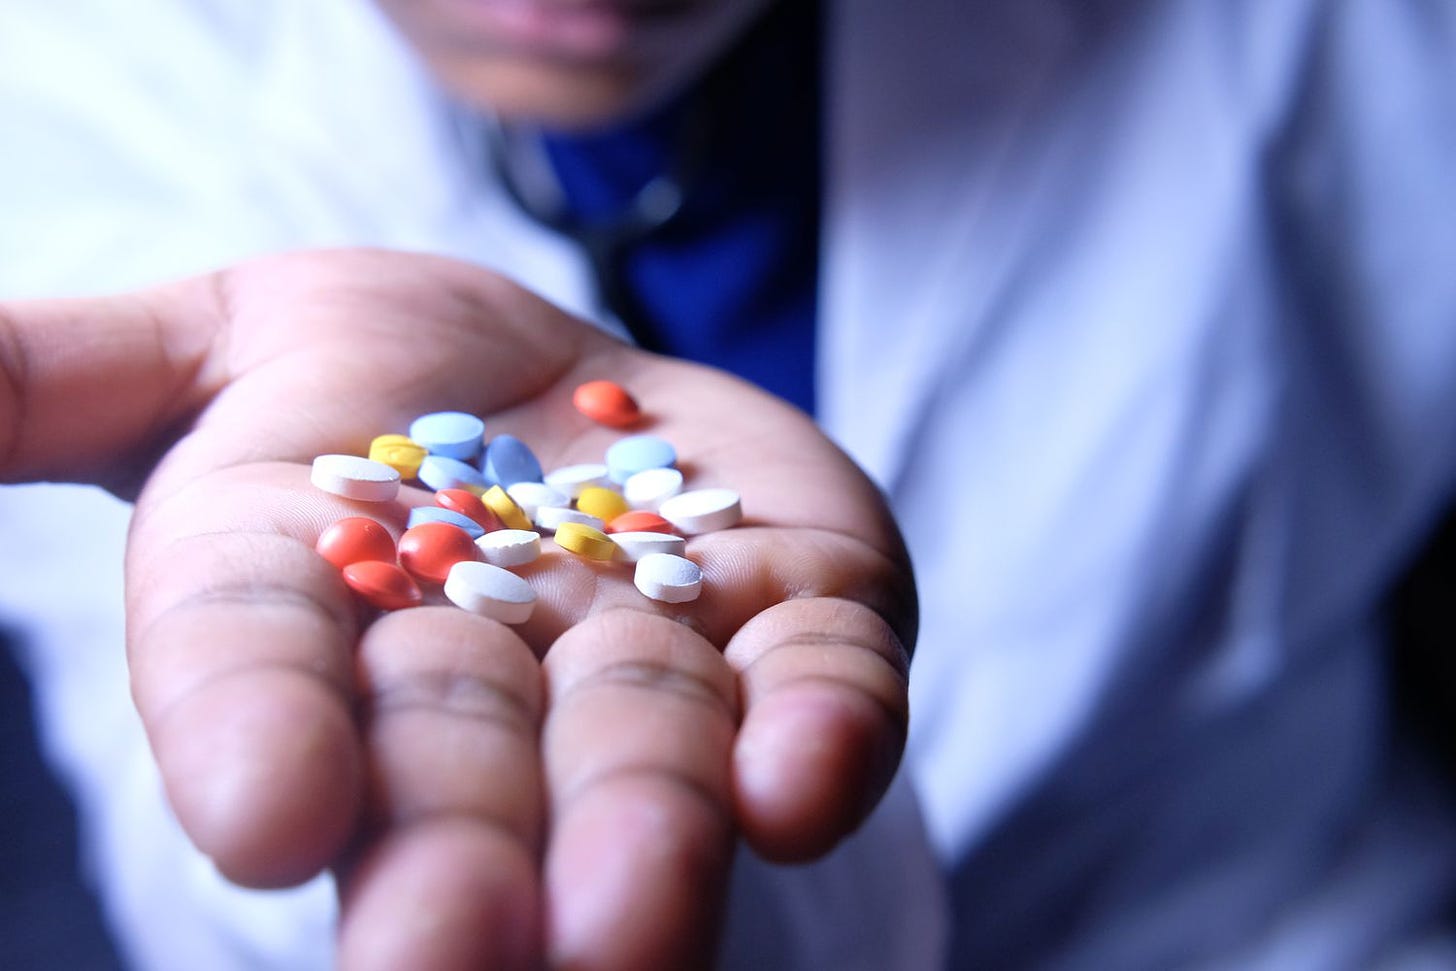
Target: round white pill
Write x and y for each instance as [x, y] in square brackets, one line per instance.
[634, 546]
[649, 488]
[702, 510]
[574, 478]
[668, 578]
[550, 517]
[490, 591]
[510, 547]
[531, 496]
[354, 477]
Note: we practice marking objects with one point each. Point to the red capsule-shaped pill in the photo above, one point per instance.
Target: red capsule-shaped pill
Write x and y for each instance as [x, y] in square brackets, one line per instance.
[468, 504]
[639, 521]
[383, 585]
[353, 539]
[606, 402]
[428, 550]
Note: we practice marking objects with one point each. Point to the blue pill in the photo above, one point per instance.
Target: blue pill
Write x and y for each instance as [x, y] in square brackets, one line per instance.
[509, 460]
[438, 514]
[637, 453]
[439, 472]
[453, 434]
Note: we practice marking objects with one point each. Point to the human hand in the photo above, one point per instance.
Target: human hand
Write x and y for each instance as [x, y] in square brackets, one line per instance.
[481, 808]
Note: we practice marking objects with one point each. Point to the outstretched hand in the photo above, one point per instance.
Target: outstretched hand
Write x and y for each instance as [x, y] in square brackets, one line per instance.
[564, 792]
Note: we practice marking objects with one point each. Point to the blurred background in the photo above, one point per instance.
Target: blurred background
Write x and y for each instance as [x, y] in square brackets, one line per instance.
[48, 917]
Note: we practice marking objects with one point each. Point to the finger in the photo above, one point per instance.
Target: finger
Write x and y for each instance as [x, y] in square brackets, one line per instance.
[241, 645]
[636, 746]
[824, 685]
[453, 704]
[745, 571]
[86, 382]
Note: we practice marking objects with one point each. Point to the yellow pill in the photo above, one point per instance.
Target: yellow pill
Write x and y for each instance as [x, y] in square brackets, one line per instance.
[398, 452]
[583, 540]
[605, 504]
[510, 514]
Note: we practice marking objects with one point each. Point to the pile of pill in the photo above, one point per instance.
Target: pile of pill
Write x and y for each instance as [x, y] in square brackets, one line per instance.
[494, 502]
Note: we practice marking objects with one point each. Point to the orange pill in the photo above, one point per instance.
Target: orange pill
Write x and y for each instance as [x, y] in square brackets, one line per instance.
[640, 521]
[468, 504]
[606, 402]
[353, 539]
[383, 585]
[428, 550]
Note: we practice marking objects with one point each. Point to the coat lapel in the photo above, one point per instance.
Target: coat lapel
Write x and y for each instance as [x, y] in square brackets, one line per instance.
[926, 219]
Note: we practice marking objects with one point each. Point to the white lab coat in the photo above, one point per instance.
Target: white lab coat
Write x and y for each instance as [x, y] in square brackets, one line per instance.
[1142, 314]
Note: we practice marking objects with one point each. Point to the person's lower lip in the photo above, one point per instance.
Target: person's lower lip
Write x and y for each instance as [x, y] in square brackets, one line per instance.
[572, 30]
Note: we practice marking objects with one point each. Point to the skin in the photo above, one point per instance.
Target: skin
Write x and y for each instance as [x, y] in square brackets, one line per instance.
[524, 60]
[566, 793]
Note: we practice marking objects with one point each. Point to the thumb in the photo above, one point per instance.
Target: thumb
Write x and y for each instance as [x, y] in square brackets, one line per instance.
[93, 389]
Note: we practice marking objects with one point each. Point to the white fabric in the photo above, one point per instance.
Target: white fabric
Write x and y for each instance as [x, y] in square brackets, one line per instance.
[1143, 315]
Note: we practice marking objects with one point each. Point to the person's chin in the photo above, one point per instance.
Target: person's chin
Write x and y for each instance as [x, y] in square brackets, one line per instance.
[568, 95]
[570, 63]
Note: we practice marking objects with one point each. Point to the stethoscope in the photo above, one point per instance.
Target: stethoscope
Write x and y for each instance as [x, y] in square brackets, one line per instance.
[520, 162]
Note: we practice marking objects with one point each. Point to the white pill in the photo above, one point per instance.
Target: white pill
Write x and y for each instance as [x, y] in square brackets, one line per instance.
[574, 478]
[649, 488]
[510, 547]
[531, 496]
[354, 477]
[490, 591]
[668, 578]
[702, 510]
[549, 517]
[634, 546]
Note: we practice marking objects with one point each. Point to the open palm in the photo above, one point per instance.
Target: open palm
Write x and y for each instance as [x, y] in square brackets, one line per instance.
[565, 791]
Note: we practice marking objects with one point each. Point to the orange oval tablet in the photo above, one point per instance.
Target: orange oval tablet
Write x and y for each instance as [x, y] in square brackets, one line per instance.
[383, 585]
[353, 539]
[606, 402]
[468, 504]
[640, 521]
[428, 550]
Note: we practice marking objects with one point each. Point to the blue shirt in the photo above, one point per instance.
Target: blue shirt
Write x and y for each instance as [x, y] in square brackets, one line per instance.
[729, 279]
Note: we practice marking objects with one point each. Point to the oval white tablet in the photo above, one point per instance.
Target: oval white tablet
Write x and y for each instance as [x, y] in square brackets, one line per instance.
[531, 496]
[702, 510]
[490, 591]
[510, 547]
[573, 478]
[549, 517]
[634, 546]
[354, 477]
[668, 578]
[649, 488]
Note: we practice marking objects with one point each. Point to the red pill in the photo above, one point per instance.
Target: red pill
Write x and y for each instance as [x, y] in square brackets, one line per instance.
[606, 402]
[468, 504]
[353, 539]
[428, 550]
[640, 521]
[383, 585]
